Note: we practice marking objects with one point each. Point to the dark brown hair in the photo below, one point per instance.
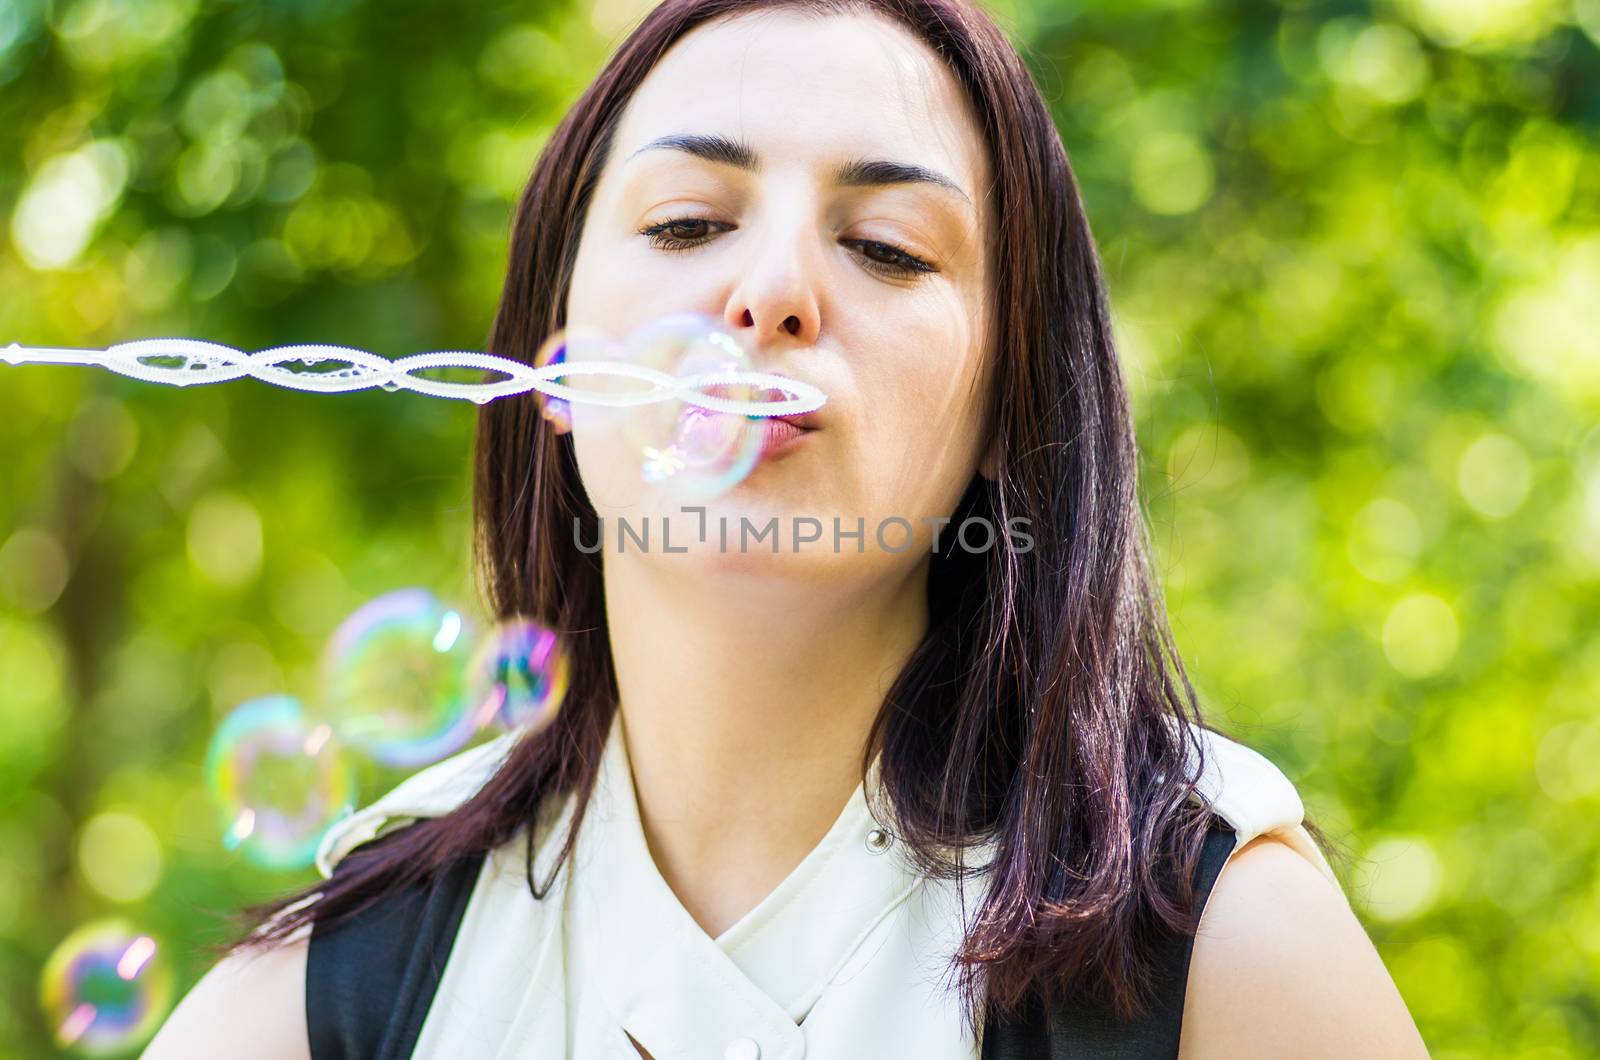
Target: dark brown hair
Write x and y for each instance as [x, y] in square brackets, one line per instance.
[1037, 714]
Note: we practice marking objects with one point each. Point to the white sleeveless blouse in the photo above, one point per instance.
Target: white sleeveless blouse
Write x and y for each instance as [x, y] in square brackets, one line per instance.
[847, 957]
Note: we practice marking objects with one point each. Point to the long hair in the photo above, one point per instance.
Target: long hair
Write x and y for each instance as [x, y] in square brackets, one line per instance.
[1041, 717]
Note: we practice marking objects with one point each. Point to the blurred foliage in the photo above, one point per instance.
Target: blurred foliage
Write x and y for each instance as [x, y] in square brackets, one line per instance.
[1354, 252]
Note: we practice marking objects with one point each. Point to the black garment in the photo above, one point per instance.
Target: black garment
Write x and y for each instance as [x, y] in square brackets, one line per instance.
[1082, 1030]
[369, 981]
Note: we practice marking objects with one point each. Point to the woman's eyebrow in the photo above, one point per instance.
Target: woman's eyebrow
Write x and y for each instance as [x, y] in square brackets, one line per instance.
[861, 173]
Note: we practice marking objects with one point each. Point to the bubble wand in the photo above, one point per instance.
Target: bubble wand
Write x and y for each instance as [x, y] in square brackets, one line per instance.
[211, 362]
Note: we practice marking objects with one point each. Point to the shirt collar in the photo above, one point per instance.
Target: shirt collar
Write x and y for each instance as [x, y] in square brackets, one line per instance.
[675, 988]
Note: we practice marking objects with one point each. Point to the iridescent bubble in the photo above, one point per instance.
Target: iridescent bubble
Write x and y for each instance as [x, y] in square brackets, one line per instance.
[693, 451]
[519, 674]
[105, 989]
[686, 450]
[279, 779]
[395, 679]
[557, 410]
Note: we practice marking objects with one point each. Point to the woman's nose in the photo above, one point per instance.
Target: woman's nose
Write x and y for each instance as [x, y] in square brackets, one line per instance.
[791, 323]
[774, 304]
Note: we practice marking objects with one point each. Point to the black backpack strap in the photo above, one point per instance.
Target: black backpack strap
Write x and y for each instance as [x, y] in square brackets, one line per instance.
[371, 979]
[1081, 1029]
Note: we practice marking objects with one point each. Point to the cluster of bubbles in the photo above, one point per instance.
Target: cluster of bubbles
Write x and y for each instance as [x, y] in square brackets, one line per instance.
[406, 680]
[690, 450]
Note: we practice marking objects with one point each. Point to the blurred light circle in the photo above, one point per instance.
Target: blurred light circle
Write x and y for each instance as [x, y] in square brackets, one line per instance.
[1420, 635]
[34, 569]
[102, 438]
[1384, 540]
[1567, 763]
[120, 856]
[1207, 457]
[224, 539]
[1172, 173]
[1494, 475]
[1403, 878]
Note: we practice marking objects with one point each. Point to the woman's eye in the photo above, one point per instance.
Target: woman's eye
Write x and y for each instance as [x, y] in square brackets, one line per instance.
[680, 233]
[685, 233]
[888, 257]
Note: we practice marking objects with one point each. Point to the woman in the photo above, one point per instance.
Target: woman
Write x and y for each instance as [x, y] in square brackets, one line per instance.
[933, 801]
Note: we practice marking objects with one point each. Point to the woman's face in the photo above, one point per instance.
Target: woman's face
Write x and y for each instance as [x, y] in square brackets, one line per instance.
[818, 187]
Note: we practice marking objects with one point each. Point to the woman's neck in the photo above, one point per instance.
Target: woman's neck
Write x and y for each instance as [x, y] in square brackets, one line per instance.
[746, 708]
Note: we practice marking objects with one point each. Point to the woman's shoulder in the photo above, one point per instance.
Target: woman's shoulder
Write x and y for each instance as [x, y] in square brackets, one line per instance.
[1281, 966]
[250, 1004]
[1251, 793]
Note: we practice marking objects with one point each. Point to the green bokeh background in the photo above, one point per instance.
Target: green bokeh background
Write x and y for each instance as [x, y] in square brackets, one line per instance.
[1354, 252]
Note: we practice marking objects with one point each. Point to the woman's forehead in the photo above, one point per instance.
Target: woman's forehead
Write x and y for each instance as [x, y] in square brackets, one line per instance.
[801, 89]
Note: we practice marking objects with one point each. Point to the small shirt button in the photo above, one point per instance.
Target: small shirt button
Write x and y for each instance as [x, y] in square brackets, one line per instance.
[742, 1049]
[878, 840]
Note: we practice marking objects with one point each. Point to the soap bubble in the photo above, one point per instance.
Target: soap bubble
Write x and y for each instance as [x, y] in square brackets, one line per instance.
[105, 989]
[697, 452]
[519, 674]
[557, 410]
[395, 679]
[279, 779]
[690, 451]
